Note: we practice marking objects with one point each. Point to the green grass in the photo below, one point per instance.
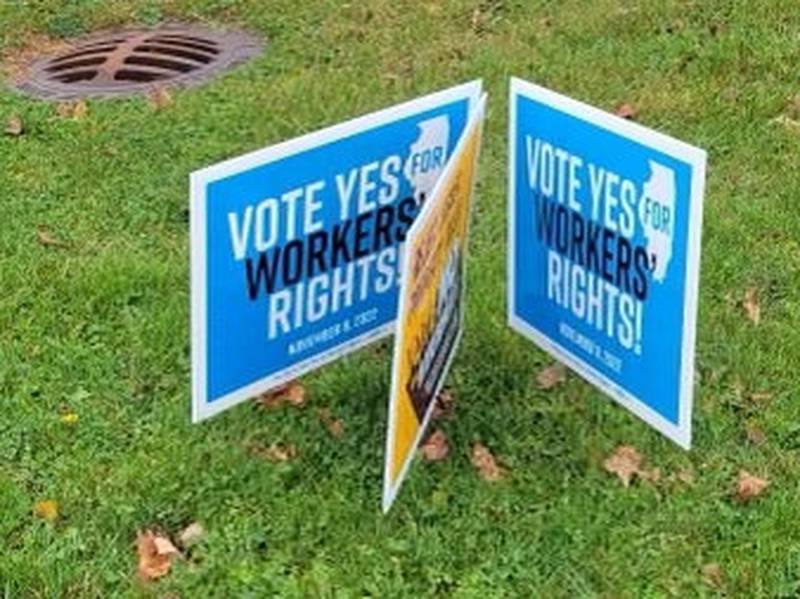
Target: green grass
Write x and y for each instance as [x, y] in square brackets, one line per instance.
[101, 327]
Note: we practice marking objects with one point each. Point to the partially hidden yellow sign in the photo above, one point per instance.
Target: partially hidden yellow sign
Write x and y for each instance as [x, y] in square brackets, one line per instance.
[431, 306]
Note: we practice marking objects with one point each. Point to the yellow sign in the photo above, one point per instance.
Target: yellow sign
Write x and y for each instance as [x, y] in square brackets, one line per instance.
[431, 305]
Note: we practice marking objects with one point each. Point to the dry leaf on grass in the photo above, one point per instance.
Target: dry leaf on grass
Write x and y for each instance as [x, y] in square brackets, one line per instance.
[625, 111]
[271, 399]
[435, 448]
[334, 425]
[159, 97]
[551, 376]
[751, 305]
[75, 110]
[155, 553]
[445, 406]
[760, 397]
[46, 239]
[485, 463]
[749, 486]
[296, 394]
[685, 476]
[712, 574]
[79, 109]
[277, 452]
[191, 535]
[652, 476]
[292, 392]
[14, 126]
[626, 463]
[46, 509]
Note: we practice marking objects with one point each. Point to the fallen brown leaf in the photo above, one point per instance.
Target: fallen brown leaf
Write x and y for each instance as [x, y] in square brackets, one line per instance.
[625, 462]
[551, 376]
[292, 392]
[271, 399]
[46, 509]
[296, 394]
[80, 109]
[277, 452]
[155, 553]
[685, 476]
[76, 109]
[712, 574]
[625, 111]
[652, 476]
[159, 97]
[46, 239]
[191, 535]
[435, 448]
[334, 425]
[485, 463]
[749, 486]
[445, 405]
[14, 126]
[751, 305]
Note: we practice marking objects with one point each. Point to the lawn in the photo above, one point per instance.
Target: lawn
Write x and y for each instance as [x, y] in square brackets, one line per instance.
[94, 336]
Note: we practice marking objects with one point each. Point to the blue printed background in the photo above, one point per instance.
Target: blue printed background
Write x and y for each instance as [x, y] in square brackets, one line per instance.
[654, 376]
[239, 351]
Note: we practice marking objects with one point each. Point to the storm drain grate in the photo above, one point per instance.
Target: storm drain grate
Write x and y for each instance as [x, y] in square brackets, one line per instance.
[136, 60]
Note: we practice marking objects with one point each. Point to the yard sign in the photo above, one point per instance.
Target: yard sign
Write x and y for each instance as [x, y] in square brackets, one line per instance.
[431, 307]
[296, 248]
[604, 225]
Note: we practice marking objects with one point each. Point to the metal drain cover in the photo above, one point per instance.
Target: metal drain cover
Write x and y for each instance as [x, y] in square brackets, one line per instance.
[130, 61]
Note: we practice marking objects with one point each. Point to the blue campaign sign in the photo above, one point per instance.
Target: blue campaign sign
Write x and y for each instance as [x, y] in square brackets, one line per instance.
[604, 224]
[296, 248]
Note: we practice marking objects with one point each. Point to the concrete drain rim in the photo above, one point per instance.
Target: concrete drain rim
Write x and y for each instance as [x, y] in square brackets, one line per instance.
[132, 61]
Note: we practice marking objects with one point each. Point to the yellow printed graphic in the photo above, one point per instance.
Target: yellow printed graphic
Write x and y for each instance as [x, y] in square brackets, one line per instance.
[430, 309]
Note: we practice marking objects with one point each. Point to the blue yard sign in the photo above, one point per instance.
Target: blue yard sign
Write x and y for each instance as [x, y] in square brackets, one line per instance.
[604, 223]
[296, 248]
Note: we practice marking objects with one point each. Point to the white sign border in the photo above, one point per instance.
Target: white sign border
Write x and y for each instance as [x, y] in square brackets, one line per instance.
[198, 182]
[390, 491]
[697, 158]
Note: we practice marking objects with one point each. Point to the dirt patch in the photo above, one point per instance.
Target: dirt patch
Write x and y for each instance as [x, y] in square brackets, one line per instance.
[17, 61]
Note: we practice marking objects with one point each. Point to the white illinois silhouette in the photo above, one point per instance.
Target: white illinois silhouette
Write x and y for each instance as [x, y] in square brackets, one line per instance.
[427, 156]
[657, 217]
